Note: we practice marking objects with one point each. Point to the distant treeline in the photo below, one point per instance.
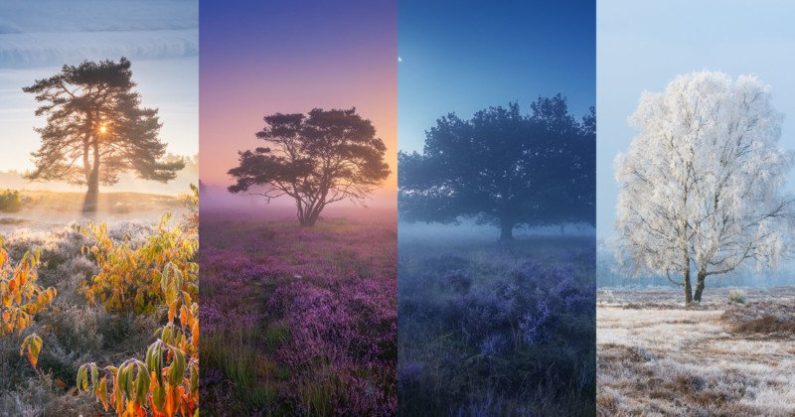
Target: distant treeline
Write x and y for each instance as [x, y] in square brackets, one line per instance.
[608, 275]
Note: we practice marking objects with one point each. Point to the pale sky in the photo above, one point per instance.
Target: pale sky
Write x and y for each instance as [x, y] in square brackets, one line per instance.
[160, 37]
[644, 45]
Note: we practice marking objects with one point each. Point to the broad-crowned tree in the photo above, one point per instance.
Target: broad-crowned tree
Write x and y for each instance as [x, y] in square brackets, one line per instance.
[316, 159]
[701, 186]
[97, 129]
[503, 168]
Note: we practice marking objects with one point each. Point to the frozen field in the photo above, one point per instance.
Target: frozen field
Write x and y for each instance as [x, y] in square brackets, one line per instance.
[656, 358]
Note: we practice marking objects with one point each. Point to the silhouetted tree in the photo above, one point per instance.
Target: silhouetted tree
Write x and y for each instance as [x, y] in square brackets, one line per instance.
[317, 159]
[97, 129]
[572, 196]
[503, 168]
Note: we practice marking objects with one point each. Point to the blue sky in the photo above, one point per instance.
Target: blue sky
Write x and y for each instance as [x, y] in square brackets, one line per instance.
[463, 56]
[159, 36]
[643, 45]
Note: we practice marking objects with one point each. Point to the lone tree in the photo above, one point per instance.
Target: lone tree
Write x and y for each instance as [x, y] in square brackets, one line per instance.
[503, 168]
[317, 159]
[701, 185]
[96, 129]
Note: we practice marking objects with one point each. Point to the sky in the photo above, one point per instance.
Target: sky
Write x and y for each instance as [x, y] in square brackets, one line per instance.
[160, 37]
[464, 56]
[644, 45]
[260, 58]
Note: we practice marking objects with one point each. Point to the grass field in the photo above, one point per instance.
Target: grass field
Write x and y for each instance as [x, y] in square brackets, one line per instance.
[722, 358]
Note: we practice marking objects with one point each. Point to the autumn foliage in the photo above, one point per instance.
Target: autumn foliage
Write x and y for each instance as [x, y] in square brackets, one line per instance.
[167, 381]
[130, 277]
[21, 299]
[159, 276]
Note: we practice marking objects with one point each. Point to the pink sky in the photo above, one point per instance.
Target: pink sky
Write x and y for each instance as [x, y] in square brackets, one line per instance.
[254, 73]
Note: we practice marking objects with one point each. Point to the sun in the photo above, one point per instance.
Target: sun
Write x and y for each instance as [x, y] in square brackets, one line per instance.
[103, 129]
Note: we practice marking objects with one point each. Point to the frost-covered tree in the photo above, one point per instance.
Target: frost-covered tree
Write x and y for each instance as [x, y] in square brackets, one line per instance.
[701, 186]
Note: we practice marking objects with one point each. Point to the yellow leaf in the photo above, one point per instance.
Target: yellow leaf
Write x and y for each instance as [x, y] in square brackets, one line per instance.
[31, 346]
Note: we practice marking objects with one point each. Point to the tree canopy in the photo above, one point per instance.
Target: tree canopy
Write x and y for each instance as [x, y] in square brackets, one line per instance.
[97, 129]
[503, 167]
[317, 159]
[702, 184]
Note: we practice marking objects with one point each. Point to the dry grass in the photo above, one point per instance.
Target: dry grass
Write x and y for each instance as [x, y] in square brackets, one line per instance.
[656, 358]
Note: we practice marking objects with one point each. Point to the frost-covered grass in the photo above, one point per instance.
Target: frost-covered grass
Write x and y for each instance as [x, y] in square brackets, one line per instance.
[73, 331]
[486, 330]
[656, 358]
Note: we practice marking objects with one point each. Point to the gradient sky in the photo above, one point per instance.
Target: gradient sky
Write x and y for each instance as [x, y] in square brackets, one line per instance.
[259, 58]
[644, 45]
[159, 36]
[463, 56]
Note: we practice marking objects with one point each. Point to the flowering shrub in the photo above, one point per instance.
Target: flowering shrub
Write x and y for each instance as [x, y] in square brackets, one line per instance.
[312, 314]
[486, 331]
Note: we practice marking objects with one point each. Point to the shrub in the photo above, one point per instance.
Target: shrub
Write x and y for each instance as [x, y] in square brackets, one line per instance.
[167, 382]
[21, 298]
[10, 201]
[736, 296]
[130, 275]
[157, 276]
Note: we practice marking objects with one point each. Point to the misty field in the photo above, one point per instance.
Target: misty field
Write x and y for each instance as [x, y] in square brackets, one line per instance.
[490, 330]
[298, 321]
[733, 355]
[46, 210]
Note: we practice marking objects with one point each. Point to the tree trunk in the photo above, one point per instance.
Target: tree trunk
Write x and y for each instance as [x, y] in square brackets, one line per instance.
[309, 220]
[688, 288]
[303, 217]
[686, 280]
[506, 231]
[700, 281]
[92, 195]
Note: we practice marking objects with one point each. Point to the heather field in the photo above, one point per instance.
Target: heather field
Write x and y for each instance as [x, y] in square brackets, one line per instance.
[490, 330]
[298, 321]
[733, 355]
